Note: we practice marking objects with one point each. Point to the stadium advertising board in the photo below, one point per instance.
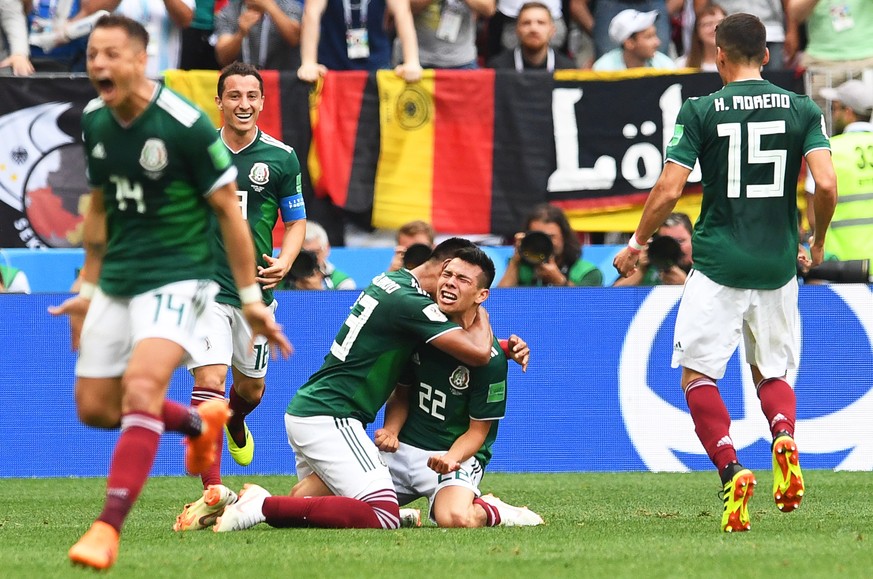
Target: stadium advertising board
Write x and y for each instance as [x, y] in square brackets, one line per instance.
[599, 394]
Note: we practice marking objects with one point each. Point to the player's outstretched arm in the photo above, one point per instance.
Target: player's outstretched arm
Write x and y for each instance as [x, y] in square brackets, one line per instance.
[660, 203]
[94, 241]
[516, 350]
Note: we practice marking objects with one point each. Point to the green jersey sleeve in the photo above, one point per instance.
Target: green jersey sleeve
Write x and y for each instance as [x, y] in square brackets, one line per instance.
[816, 131]
[684, 147]
[219, 170]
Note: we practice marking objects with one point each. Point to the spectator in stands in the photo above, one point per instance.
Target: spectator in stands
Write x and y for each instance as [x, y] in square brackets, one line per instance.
[58, 41]
[838, 39]
[535, 29]
[264, 33]
[13, 280]
[851, 230]
[324, 276]
[198, 43]
[446, 31]
[340, 35]
[416, 233]
[605, 11]
[701, 53]
[14, 48]
[664, 270]
[165, 20]
[638, 41]
[782, 32]
[580, 33]
[559, 263]
[502, 35]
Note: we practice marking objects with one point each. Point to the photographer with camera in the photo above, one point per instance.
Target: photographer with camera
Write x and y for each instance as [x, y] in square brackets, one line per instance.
[548, 253]
[666, 260]
[312, 270]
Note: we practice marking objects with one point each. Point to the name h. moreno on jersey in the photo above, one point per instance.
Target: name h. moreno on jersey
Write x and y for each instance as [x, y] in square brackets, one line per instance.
[752, 102]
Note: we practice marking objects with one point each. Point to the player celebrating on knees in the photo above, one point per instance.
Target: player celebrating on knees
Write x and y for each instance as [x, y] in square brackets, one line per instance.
[750, 138]
[156, 169]
[454, 407]
[268, 184]
[325, 419]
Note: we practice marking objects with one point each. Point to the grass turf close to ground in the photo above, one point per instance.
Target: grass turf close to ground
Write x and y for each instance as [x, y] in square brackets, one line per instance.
[597, 525]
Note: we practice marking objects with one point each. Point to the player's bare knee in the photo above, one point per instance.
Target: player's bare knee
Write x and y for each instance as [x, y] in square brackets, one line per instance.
[250, 389]
[97, 415]
[454, 518]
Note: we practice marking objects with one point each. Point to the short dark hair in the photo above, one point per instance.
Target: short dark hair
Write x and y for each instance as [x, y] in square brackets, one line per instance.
[742, 37]
[240, 69]
[475, 256]
[133, 29]
[450, 248]
[548, 213]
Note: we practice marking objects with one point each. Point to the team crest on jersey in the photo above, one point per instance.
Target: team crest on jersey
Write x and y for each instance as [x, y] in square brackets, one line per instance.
[460, 378]
[260, 174]
[153, 157]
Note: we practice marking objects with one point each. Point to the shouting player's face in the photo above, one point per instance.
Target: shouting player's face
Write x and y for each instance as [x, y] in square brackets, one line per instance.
[241, 103]
[458, 290]
[116, 66]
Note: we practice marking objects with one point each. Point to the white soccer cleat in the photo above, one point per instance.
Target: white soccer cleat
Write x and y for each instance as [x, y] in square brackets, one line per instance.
[511, 516]
[245, 512]
[203, 512]
[410, 518]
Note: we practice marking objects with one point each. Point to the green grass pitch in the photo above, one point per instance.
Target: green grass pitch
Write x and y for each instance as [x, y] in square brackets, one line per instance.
[597, 525]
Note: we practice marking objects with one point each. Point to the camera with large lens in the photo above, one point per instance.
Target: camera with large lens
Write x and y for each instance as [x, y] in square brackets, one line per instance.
[849, 271]
[415, 255]
[664, 252]
[535, 248]
[304, 266]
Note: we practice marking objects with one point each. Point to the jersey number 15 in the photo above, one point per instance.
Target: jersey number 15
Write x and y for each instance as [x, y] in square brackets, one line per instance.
[757, 156]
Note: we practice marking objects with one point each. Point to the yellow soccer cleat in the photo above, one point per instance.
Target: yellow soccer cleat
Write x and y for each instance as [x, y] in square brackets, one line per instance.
[736, 495]
[243, 455]
[787, 479]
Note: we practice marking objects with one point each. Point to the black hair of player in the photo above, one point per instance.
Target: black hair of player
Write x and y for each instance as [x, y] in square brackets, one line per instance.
[133, 29]
[743, 38]
[241, 69]
[449, 248]
[475, 256]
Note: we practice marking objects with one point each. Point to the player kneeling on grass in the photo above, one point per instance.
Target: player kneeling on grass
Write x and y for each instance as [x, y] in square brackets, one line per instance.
[442, 403]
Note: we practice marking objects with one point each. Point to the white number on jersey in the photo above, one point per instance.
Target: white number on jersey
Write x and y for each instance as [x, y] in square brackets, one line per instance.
[432, 401]
[757, 156]
[355, 324]
[242, 198]
[124, 190]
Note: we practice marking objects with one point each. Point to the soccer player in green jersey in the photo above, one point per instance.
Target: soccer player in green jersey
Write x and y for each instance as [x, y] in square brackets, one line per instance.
[442, 419]
[749, 138]
[325, 420]
[157, 171]
[268, 184]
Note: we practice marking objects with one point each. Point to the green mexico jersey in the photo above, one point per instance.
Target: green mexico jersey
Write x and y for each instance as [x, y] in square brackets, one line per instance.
[388, 320]
[445, 394]
[750, 138]
[268, 172]
[155, 175]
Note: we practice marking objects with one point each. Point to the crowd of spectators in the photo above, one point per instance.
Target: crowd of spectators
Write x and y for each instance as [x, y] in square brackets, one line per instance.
[318, 35]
